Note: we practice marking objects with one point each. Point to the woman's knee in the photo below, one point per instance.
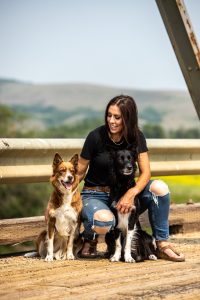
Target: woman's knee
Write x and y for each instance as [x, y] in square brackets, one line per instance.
[104, 220]
[159, 188]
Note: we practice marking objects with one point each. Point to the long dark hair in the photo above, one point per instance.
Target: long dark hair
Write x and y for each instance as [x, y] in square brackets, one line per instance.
[129, 112]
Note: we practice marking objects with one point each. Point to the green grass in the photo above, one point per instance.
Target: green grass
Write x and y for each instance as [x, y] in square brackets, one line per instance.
[183, 188]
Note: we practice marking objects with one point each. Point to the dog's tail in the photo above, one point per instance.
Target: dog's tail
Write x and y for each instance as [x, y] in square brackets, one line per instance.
[31, 254]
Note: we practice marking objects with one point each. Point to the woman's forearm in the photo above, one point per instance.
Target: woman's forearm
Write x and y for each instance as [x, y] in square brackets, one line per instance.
[144, 174]
[82, 168]
[141, 182]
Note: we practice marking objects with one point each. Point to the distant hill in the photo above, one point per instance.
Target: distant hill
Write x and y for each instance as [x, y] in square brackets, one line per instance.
[171, 109]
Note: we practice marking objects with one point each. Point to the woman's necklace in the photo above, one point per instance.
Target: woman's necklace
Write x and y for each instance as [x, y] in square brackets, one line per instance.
[116, 143]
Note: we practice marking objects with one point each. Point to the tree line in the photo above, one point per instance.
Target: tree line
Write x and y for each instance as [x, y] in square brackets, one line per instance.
[13, 125]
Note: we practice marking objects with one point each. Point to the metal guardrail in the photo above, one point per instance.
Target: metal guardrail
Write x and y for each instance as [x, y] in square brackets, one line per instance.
[30, 160]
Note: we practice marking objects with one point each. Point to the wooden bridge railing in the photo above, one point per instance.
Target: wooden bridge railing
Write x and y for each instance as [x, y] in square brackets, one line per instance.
[30, 160]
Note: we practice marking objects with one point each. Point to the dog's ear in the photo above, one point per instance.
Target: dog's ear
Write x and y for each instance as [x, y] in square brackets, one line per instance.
[74, 161]
[134, 150]
[57, 160]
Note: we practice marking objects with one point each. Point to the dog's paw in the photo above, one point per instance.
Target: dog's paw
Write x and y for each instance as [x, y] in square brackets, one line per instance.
[63, 257]
[152, 257]
[114, 258]
[70, 256]
[129, 259]
[58, 255]
[49, 258]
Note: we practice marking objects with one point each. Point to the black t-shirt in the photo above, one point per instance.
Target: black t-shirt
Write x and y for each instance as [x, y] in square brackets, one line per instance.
[95, 149]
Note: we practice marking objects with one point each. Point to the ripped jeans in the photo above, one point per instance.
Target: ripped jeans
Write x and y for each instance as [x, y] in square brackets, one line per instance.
[158, 211]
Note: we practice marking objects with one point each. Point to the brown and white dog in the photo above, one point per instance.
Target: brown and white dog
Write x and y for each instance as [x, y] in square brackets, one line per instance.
[63, 212]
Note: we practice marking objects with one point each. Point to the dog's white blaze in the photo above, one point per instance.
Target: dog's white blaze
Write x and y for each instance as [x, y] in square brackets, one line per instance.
[123, 221]
[67, 175]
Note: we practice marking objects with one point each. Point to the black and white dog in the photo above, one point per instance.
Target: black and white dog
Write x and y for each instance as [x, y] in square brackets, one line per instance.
[127, 241]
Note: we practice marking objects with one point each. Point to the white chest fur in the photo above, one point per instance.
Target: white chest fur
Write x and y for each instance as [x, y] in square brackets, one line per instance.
[66, 218]
[123, 221]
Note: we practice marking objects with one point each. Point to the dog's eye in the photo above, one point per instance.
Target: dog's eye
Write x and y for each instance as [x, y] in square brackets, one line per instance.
[62, 170]
[71, 170]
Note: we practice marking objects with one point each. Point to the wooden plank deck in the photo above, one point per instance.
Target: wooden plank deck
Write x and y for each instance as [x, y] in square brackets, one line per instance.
[186, 217]
[31, 278]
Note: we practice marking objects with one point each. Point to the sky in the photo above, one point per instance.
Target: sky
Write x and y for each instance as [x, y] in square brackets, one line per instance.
[119, 43]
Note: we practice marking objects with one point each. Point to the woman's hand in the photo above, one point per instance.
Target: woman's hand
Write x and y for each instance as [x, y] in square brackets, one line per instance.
[125, 204]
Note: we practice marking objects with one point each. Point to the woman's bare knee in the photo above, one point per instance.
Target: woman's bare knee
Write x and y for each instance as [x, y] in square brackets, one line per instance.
[159, 188]
[103, 216]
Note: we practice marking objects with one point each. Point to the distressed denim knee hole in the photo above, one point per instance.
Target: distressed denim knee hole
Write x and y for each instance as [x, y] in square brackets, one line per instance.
[103, 215]
[101, 230]
[102, 227]
[159, 188]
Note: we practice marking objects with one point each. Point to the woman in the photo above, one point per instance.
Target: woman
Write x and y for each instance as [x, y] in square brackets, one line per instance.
[120, 131]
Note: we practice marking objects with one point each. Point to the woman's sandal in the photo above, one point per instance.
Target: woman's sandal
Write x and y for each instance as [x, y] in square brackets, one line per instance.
[163, 255]
[89, 249]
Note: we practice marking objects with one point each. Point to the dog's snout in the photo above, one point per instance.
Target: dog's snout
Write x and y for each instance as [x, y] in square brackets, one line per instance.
[70, 178]
[128, 169]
